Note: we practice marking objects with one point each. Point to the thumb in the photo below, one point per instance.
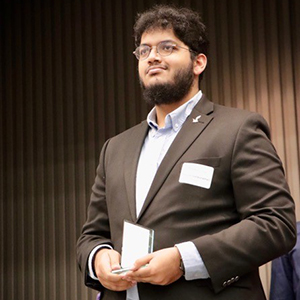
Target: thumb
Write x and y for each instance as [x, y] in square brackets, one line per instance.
[142, 261]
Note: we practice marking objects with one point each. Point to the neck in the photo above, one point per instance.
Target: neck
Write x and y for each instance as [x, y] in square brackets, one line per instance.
[163, 109]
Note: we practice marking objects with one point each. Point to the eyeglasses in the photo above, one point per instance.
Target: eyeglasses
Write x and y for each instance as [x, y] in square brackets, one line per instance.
[163, 48]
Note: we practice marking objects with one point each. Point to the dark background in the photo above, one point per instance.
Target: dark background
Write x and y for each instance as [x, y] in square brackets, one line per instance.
[68, 81]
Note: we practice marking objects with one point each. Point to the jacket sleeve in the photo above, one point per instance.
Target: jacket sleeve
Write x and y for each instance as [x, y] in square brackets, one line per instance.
[263, 202]
[96, 230]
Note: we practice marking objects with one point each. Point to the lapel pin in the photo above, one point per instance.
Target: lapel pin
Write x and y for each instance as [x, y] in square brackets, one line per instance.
[197, 119]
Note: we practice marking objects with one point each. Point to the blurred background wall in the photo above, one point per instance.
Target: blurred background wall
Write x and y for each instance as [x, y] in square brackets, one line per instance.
[68, 82]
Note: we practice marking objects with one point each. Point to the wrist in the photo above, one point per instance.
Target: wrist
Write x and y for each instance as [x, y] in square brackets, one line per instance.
[181, 264]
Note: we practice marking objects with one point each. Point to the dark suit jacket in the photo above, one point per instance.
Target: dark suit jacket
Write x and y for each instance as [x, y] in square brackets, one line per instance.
[285, 279]
[244, 220]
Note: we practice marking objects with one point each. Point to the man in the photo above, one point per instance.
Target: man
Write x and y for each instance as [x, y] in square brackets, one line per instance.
[204, 177]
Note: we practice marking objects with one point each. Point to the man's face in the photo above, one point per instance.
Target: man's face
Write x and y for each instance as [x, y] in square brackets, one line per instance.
[167, 79]
[157, 69]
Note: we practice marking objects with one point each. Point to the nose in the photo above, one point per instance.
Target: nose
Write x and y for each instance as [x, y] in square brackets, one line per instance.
[154, 55]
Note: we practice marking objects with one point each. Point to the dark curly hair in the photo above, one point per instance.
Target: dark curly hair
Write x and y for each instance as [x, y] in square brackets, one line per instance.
[186, 24]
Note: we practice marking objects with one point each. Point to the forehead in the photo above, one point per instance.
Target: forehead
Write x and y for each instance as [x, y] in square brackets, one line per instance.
[154, 36]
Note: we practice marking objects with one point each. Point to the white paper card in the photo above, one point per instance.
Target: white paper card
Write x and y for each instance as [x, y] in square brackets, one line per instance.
[196, 174]
[137, 242]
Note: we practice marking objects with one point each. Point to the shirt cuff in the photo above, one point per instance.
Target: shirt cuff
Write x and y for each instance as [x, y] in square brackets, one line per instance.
[192, 261]
[91, 272]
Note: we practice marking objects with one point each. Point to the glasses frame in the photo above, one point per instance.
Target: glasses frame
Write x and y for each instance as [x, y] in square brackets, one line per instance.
[174, 45]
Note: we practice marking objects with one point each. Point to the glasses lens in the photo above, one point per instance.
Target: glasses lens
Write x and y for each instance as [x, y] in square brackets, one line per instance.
[165, 48]
[143, 52]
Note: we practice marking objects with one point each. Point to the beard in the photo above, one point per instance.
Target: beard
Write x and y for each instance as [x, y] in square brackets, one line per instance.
[169, 92]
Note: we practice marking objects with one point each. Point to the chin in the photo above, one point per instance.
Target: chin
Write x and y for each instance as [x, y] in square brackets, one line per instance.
[155, 80]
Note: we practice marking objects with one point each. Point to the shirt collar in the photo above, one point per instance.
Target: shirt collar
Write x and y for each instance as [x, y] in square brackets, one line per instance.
[177, 117]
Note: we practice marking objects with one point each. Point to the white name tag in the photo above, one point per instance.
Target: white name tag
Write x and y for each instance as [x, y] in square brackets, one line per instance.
[196, 174]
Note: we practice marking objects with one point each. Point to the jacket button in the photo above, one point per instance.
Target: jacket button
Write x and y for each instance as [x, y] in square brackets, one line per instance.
[236, 278]
[224, 283]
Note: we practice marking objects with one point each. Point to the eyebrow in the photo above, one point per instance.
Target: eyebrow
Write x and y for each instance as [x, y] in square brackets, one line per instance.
[169, 40]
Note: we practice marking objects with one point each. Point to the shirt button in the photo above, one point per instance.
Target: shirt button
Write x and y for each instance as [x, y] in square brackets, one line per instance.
[176, 125]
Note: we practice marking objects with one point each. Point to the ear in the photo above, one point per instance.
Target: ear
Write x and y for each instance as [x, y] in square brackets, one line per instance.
[200, 63]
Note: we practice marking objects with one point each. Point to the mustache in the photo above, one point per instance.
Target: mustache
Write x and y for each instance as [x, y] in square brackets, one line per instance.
[156, 65]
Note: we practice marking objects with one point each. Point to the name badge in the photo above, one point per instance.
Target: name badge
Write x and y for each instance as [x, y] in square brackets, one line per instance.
[196, 174]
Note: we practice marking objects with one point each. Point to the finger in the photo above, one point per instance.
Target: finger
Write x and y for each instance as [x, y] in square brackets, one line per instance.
[140, 275]
[140, 278]
[142, 262]
[116, 283]
[105, 260]
[118, 287]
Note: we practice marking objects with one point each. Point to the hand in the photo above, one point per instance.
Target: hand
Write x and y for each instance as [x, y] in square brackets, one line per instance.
[107, 260]
[162, 269]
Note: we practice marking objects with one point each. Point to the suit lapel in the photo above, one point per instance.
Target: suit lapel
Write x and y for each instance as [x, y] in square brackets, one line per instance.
[134, 147]
[191, 129]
